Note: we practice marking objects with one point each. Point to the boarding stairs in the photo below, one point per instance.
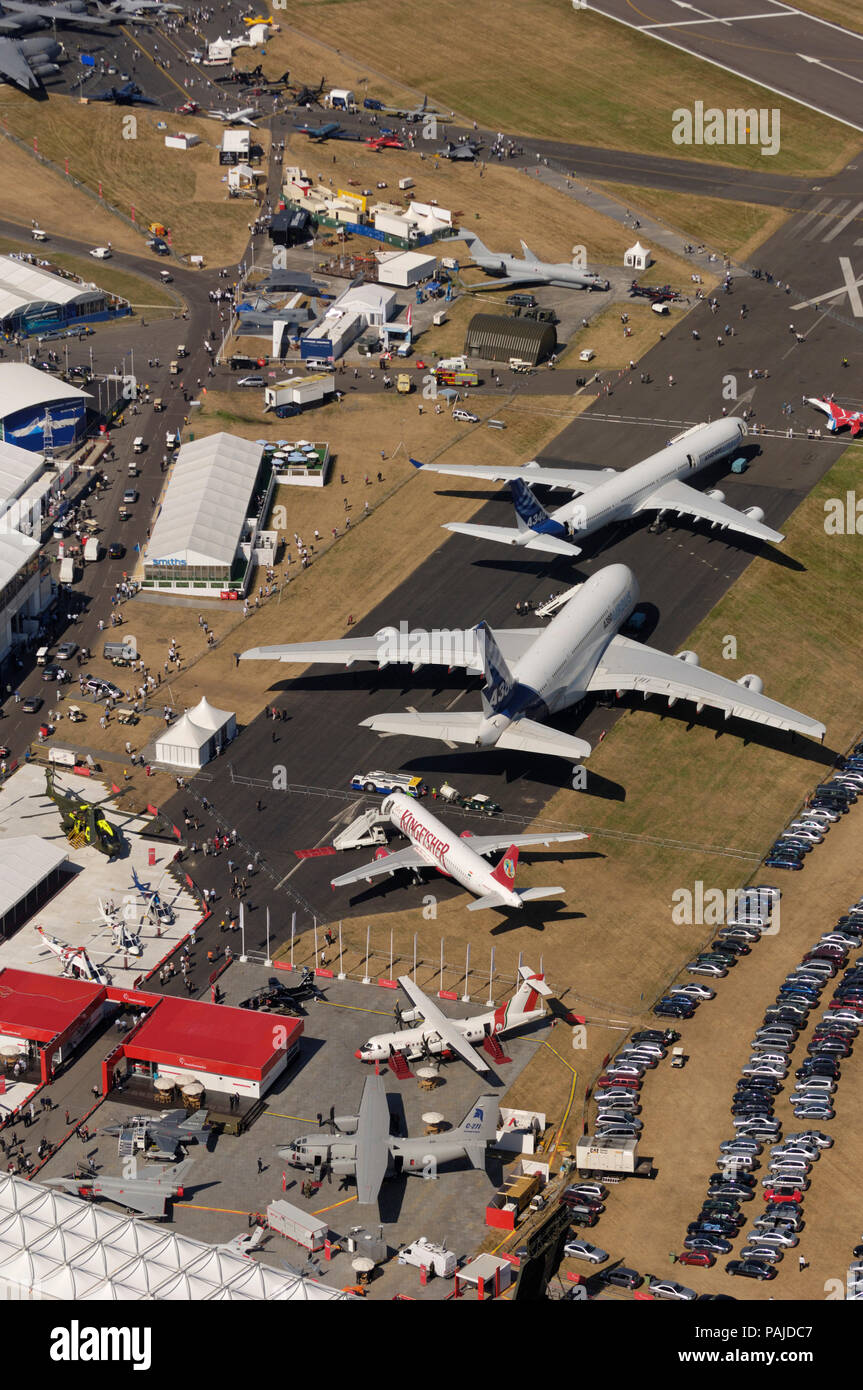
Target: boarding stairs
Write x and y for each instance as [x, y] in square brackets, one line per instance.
[132, 1139]
[494, 1049]
[397, 1063]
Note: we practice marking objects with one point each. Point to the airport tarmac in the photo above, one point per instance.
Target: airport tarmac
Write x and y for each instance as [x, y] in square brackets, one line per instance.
[226, 1186]
[72, 915]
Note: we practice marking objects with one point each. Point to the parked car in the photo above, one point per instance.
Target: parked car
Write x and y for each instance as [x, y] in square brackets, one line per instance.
[582, 1250]
[621, 1277]
[750, 1269]
[667, 1288]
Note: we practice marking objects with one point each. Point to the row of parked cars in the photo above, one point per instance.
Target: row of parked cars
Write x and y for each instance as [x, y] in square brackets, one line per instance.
[828, 803]
[787, 1178]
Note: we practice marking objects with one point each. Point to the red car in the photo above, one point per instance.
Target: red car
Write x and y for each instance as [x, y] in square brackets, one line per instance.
[771, 1196]
[697, 1257]
[629, 1081]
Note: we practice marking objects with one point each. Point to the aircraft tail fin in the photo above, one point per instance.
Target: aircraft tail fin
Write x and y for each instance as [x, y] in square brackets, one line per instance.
[528, 254]
[479, 1128]
[504, 873]
[499, 680]
[532, 986]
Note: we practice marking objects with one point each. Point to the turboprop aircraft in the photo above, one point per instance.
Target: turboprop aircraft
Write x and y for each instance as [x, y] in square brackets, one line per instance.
[437, 1033]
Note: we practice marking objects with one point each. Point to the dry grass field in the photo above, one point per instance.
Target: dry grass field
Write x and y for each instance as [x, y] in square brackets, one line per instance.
[735, 229]
[182, 188]
[546, 71]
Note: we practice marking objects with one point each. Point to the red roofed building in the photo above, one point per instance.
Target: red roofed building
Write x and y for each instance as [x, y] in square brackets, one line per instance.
[239, 1051]
[47, 1015]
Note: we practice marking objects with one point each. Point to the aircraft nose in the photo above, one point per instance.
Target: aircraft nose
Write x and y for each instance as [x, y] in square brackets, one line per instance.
[358, 1054]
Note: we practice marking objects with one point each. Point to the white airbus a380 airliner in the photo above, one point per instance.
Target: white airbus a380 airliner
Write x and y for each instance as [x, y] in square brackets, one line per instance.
[606, 495]
[531, 673]
[434, 846]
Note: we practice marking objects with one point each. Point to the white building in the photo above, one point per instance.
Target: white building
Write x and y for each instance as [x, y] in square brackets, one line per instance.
[404, 268]
[201, 538]
[236, 147]
[26, 486]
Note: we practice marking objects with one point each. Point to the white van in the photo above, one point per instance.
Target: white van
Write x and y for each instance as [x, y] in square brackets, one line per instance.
[67, 570]
[91, 549]
[138, 445]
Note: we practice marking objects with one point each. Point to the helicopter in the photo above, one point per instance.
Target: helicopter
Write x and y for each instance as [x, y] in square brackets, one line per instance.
[81, 817]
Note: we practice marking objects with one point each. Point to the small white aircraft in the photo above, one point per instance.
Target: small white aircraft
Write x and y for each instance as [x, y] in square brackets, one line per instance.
[437, 1033]
[74, 960]
[606, 496]
[531, 673]
[435, 846]
[125, 939]
[242, 117]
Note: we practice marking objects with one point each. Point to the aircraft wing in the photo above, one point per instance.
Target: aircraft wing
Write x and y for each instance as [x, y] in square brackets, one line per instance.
[372, 1136]
[14, 67]
[688, 501]
[522, 736]
[389, 646]
[572, 479]
[507, 282]
[402, 859]
[486, 844]
[628, 665]
[443, 1026]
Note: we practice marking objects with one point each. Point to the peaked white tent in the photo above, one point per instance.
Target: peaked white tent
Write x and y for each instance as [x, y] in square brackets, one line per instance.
[199, 735]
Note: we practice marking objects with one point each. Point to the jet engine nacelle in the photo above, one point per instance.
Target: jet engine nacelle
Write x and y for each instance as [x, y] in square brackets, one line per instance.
[344, 1167]
[754, 513]
[691, 658]
[753, 683]
[715, 495]
[346, 1124]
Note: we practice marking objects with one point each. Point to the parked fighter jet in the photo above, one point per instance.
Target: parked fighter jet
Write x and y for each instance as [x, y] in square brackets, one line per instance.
[542, 671]
[657, 294]
[468, 150]
[434, 846]
[162, 1136]
[242, 117]
[74, 960]
[81, 818]
[385, 142]
[528, 269]
[327, 130]
[369, 1152]
[605, 496]
[837, 417]
[129, 94]
[148, 1194]
[436, 1033]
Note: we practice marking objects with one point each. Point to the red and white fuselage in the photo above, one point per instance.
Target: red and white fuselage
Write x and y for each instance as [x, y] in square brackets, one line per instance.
[451, 854]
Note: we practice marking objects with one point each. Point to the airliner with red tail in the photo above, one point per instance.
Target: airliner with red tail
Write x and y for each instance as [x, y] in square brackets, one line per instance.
[434, 846]
[436, 1032]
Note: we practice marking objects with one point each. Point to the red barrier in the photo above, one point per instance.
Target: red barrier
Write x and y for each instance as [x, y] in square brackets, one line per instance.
[388, 984]
[283, 965]
[327, 974]
[81, 771]
[151, 856]
[447, 994]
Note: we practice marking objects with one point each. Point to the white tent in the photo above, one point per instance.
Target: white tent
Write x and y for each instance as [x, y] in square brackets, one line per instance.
[113, 1256]
[199, 735]
[637, 257]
